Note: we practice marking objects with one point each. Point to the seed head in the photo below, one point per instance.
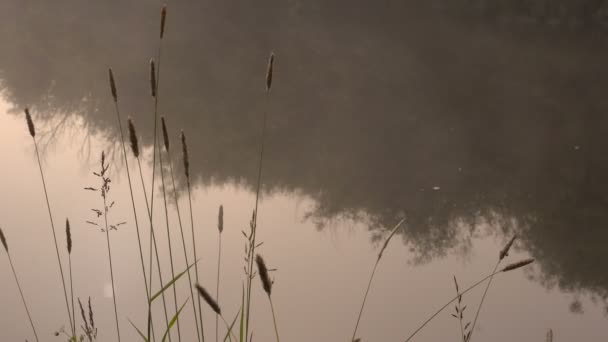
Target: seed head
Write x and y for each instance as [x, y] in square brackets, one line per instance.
[30, 123]
[133, 138]
[207, 297]
[517, 265]
[269, 71]
[113, 85]
[185, 156]
[68, 235]
[505, 251]
[3, 238]
[220, 219]
[263, 270]
[165, 134]
[152, 78]
[163, 18]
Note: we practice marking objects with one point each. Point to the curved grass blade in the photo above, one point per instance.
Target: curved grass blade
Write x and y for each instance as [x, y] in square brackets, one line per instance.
[173, 320]
[139, 332]
[231, 326]
[169, 284]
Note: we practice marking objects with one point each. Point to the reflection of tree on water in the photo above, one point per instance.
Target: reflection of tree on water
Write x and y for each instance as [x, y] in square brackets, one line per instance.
[452, 125]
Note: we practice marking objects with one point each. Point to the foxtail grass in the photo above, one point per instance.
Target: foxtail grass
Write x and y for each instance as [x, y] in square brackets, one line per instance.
[267, 286]
[510, 267]
[154, 247]
[371, 277]
[179, 218]
[114, 92]
[32, 131]
[105, 188]
[68, 235]
[503, 253]
[220, 228]
[186, 160]
[10, 261]
[214, 306]
[254, 221]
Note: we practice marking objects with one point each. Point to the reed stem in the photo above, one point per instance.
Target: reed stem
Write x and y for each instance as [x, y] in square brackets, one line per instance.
[150, 326]
[48, 206]
[200, 313]
[153, 237]
[371, 277]
[105, 216]
[10, 261]
[217, 287]
[162, 177]
[274, 318]
[181, 229]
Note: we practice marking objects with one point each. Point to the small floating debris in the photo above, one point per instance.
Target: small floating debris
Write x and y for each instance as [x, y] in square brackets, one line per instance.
[436, 188]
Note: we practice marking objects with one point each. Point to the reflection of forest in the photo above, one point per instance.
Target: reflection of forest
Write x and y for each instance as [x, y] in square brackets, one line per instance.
[373, 108]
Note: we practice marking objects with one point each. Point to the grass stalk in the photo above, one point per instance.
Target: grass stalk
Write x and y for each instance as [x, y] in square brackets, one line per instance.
[220, 227]
[10, 261]
[503, 253]
[371, 277]
[507, 268]
[114, 93]
[187, 174]
[104, 190]
[154, 247]
[252, 243]
[181, 228]
[162, 177]
[68, 234]
[32, 130]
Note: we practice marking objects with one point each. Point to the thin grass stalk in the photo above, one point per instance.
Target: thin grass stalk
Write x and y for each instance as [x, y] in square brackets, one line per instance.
[105, 217]
[162, 177]
[154, 247]
[69, 245]
[274, 318]
[503, 253]
[114, 93]
[189, 186]
[459, 310]
[48, 206]
[269, 74]
[154, 82]
[507, 268]
[10, 261]
[371, 277]
[220, 227]
[181, 230]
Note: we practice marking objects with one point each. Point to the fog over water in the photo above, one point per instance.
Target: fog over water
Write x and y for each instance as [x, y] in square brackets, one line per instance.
[473, 123]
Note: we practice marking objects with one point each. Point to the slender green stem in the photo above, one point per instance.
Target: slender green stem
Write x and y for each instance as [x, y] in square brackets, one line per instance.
[255, 217]
[151, 208]
[105, 216]
[181, 230]
[448, 303]
[72, 295]
[217, 286]
[485, 292]
[48, 206]
[369, 285]
[141, 254]
[200, 313]
[162, 177]
[274, 318]
[155, 246]
[10, 261]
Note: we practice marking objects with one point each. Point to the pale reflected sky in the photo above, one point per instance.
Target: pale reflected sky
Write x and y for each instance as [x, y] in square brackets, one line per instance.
[321, 273]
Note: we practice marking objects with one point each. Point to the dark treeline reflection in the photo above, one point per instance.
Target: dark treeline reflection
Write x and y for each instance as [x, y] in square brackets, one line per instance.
[381, 110]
